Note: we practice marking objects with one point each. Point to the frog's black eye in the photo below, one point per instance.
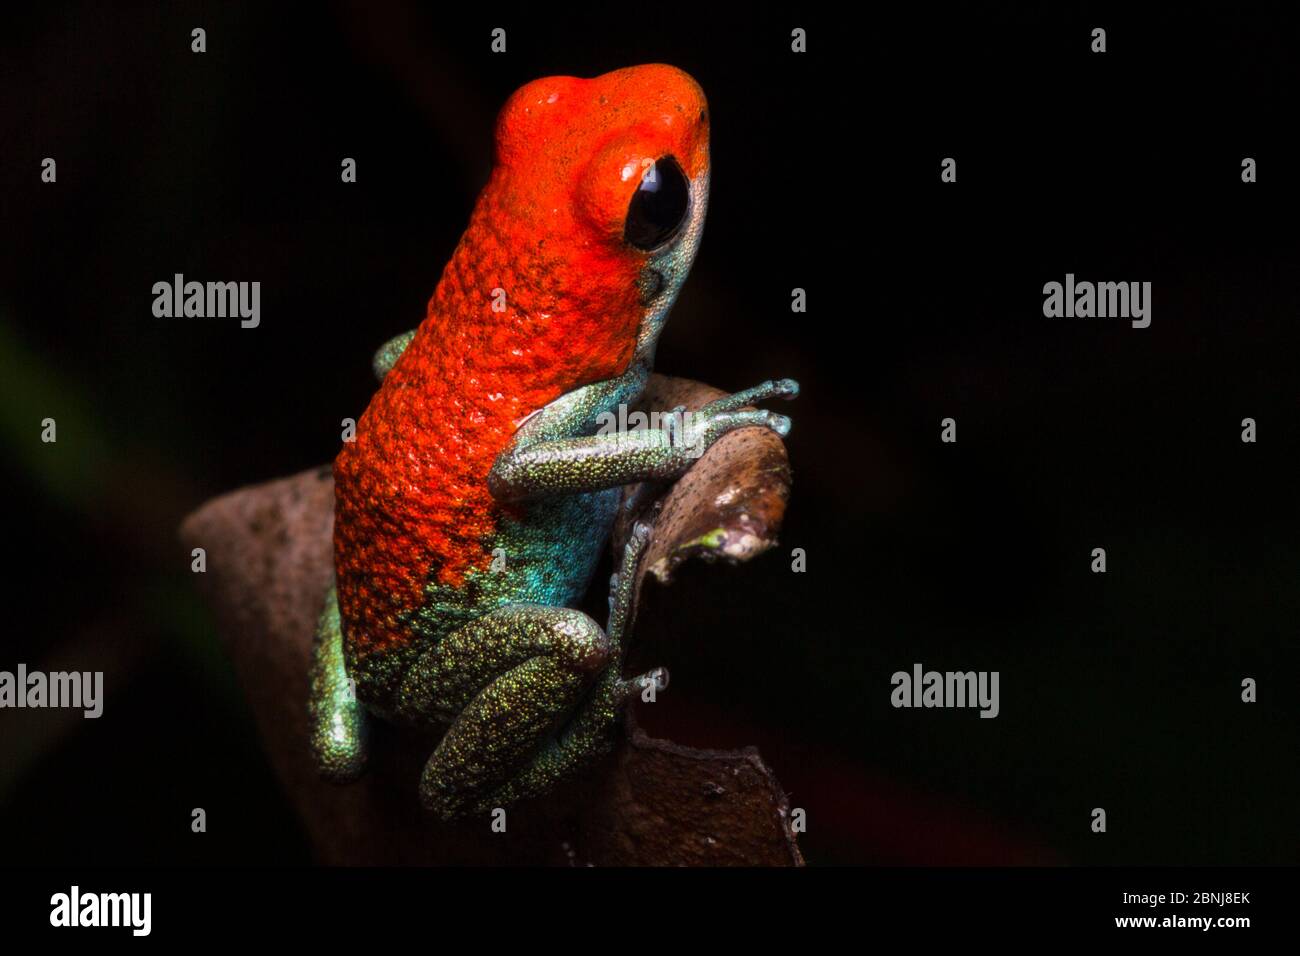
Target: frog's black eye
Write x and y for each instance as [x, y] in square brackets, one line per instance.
[659, 207]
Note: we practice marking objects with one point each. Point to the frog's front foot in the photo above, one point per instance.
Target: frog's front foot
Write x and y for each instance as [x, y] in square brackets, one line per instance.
[622, 587]
[724, 415]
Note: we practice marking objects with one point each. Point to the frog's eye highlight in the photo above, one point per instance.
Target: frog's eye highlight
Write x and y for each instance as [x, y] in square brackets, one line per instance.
[659, 206]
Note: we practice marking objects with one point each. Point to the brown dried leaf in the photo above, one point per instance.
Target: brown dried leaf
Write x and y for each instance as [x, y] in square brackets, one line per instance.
[728, 507]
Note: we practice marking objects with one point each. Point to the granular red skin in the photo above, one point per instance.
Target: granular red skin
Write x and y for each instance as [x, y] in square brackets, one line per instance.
[412, 502]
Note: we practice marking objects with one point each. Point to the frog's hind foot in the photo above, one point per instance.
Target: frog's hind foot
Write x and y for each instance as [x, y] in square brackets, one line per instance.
[622, 589]
[656, 677]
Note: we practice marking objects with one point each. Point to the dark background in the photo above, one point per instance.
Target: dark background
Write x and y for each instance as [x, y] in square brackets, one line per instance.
[1119, 690]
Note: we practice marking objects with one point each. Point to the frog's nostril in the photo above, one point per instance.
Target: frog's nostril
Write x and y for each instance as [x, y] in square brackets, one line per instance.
[652, 283]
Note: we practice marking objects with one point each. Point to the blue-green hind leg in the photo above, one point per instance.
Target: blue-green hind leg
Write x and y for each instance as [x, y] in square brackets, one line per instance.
[506, 680]
[536, 692]
[594, 728]
[337, 722]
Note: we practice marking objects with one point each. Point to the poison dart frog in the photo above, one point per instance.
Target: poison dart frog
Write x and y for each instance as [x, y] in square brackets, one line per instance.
[478, 495]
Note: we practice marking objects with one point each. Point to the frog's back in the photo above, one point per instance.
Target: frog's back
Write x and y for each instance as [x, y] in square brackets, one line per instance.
[414, 520]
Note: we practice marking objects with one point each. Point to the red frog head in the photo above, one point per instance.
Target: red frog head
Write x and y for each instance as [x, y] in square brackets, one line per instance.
[584, 234]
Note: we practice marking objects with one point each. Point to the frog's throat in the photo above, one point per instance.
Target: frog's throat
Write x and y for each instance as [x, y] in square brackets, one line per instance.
[662, 277]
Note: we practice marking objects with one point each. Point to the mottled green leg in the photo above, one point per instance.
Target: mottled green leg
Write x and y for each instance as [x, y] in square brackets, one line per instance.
[593, 730]
[337, 722]
[543, 459]
[389, 353]
[513, 677]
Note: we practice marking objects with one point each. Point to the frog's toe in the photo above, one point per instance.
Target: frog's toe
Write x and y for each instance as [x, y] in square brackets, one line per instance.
[773, 388]
[639, 537]
[656, 677]
[779, 424]
[763, 418]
